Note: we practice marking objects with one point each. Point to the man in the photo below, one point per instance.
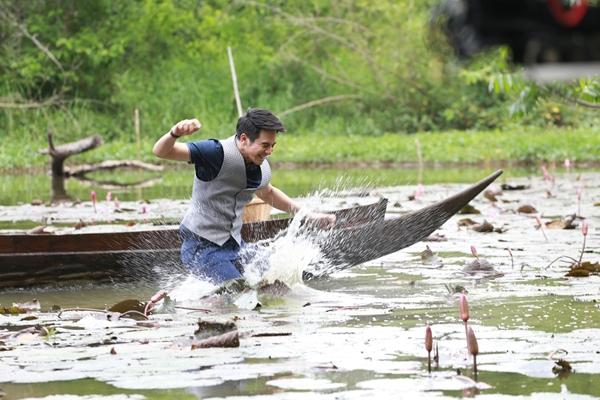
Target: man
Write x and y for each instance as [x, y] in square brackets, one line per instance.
[228, 173]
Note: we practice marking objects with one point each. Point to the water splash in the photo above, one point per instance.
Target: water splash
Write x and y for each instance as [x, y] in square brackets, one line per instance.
[287, 256]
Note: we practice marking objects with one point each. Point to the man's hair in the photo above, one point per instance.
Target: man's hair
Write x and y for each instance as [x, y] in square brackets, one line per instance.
[256, 119]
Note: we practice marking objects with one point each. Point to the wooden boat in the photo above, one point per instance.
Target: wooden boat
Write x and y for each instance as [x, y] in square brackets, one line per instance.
[359, 235]
[39, 259]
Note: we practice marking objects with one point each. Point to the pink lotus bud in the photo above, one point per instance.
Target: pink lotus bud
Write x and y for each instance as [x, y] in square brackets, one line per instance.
[420, 189]
[93, 196]
[584, 228]
[158, 296]
[428, 339]
[545, 172]
[108, 196]
[474, 252]
[464, 308]
[567, 163]
[472, 345]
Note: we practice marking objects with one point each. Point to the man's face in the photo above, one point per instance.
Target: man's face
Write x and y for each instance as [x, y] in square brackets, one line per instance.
[256, 152]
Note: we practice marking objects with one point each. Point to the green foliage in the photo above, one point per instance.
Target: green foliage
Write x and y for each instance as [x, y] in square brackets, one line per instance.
[82, 66]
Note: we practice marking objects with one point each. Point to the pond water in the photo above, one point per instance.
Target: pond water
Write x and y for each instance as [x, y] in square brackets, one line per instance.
[359, 333]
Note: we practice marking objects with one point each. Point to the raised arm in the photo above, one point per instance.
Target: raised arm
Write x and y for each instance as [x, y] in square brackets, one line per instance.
[167, 147]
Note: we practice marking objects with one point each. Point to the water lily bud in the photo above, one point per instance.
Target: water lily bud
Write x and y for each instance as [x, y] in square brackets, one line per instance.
[545, 172]
[567, 163]
[472, 342]
[464, 308]
[93, 196]
[428, 339]
[158, 296]
[584, 228]
[474, 252]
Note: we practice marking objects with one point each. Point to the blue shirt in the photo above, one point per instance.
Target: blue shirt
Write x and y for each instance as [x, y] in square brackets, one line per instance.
[207, 157]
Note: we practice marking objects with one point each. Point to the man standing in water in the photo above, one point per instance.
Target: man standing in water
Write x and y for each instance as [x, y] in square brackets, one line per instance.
[228, 173]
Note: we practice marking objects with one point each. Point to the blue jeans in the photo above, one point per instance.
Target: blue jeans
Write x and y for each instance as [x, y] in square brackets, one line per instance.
[212, 262]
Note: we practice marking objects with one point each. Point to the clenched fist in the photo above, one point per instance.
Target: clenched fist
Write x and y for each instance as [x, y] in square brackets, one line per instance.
[185, 127]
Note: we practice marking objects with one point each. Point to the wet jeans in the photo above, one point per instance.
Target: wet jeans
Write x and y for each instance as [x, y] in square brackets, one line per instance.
[212, 262]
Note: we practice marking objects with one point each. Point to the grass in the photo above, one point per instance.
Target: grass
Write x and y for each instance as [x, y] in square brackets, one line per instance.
[521, 146]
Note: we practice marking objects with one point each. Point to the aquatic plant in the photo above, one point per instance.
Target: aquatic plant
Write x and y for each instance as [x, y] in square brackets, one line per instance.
[464, 308]
[93, 196]
[579, 194]
[473, 348]
[540, 226]
[547, 176]
[428, 346]
[474, 252]
[158, 296]
[580, 268]
[584, 232]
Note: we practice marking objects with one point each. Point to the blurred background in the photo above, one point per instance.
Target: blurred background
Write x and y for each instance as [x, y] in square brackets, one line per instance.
[460, 76]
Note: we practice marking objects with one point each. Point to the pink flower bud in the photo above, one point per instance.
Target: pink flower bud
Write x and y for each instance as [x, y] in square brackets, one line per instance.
[464, 308]
[428, 339]
[158, 296]
[117, 204]
[93, 195]
[108, 196]
[567, 163]
[474, 252]
[472, 345]
[545, 172]
[584, 228]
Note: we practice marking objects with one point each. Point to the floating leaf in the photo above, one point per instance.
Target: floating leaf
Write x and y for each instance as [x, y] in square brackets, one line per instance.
[276, 288]
[128, 305]
[566, 223]
[469, 209]
[466, 222]
[507, 186]
[578, 273]
[483, 227]
[527, 209]
[213, 328]
[490, 195]
[229, 339]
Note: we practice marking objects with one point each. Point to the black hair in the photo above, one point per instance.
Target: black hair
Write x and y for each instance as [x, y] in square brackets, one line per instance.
[256, 119]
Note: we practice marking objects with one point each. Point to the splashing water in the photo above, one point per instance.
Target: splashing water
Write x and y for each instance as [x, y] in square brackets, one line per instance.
[287, 256]
[191, 289]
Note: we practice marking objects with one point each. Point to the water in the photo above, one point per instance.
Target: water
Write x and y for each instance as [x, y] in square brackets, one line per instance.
[359, 333]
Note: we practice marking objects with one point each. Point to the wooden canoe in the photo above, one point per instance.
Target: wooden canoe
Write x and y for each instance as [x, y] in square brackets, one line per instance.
[32, 260]
[360, 234]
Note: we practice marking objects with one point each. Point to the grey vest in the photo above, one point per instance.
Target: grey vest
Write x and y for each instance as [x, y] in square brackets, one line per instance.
[215, 212]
